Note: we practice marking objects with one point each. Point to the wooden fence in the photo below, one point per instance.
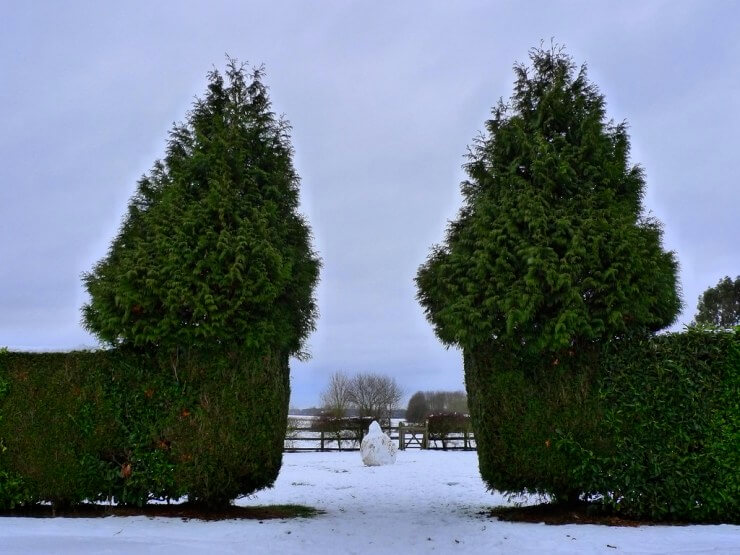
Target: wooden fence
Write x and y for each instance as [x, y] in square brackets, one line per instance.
[307, 438]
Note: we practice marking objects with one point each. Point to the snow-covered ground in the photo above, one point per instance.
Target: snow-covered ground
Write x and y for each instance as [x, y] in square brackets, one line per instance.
[427, 502]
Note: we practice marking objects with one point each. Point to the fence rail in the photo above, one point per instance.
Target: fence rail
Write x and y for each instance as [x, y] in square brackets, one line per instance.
[308, 438]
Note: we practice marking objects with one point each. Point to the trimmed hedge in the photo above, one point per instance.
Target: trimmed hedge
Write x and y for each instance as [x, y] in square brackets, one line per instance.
[112, 425]
[672, 419]
[56, 427]
[648, 428]
[516, 407]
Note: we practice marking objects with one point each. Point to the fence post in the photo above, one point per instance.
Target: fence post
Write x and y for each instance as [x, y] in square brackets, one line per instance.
[425, 439]
[401, 437]
[465, 440]
[322, 440]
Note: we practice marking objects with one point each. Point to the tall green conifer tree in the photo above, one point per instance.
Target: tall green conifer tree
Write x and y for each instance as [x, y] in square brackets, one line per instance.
[213, 253]
[552, 248]
[551, 258]
[208, 289]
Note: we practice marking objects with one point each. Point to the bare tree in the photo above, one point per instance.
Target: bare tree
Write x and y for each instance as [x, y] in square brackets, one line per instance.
[375, 395]
[364, 394]
[336, 398]
[390, 396]
[370, 395]
[335, 402]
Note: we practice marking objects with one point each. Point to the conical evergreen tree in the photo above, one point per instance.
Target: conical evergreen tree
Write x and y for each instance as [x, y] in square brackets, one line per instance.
[208, 290]
[213, 253]
[552, 248]
[550, 259]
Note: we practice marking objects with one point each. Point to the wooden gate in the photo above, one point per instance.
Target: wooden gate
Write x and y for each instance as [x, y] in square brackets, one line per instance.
[412, 436]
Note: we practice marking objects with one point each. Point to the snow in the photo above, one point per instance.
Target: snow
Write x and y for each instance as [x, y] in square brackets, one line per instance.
[428, 502]
[377, 448]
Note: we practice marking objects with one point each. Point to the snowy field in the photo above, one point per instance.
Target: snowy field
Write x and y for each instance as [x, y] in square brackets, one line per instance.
[428, 502]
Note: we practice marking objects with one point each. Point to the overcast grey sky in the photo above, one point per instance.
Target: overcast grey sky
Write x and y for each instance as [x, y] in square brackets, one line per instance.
[383, 97]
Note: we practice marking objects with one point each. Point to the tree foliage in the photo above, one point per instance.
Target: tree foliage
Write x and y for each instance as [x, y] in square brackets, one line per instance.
[551, 248]
[720, 305]
[423, 403]
[418, 407]
[213, 252]
[447, 401]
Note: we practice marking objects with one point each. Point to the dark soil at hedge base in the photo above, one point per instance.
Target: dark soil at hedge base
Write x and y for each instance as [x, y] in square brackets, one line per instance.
[547, 513]
[185, 511]
[583, 513]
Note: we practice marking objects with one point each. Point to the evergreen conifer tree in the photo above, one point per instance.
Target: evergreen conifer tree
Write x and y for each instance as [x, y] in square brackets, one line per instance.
[552, 248]
[213, 254]
[208, 290]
